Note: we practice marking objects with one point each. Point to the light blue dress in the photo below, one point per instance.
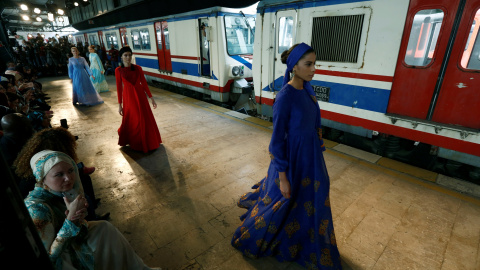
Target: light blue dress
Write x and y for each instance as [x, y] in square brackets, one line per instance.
[83, 91]
[99, 83]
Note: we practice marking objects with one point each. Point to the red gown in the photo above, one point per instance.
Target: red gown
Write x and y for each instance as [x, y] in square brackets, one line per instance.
[138, 129]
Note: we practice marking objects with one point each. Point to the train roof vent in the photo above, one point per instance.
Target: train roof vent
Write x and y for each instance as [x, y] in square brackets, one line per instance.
[337, 38]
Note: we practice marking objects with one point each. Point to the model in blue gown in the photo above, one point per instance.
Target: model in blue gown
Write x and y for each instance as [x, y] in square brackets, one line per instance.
[299, 228]
[83, 91]
[99, 83]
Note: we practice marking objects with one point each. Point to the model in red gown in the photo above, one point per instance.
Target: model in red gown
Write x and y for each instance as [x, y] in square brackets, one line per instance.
[138, 129]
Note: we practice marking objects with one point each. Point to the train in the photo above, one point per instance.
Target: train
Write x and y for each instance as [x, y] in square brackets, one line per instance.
[396, 78]
[208, 51]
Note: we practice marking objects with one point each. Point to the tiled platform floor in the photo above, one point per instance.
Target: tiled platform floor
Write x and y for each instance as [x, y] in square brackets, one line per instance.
[177, 205]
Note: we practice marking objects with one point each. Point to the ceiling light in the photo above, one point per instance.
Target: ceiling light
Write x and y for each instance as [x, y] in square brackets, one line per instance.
[75, 4]
[23, 7]
[39, 19]
[50, 17]
[57, 35]
[37, 10]
[42, 35]
[60, 12]
[85, 0]
[69, 36]
[60, 19]
[29, 35]
[25, 17]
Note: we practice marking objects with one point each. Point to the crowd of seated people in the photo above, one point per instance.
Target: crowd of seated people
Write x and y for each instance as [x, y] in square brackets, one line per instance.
[25, 122]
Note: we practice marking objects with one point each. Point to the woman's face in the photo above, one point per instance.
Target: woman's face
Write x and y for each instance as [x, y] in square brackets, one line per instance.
[74, 51]
[127, 58]
[305, 68]
[61, 177]
[91, 50]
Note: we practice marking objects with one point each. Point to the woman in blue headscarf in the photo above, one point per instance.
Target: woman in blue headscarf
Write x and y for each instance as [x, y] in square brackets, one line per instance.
[289, 213]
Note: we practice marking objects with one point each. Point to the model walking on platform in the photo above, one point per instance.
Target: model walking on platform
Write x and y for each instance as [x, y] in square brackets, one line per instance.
[138, 129]
[289, 213]
[96, 66]
[83, 91]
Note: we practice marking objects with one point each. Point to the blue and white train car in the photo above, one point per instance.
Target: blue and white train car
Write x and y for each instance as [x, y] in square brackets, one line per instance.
[405, 68]
[207, 51]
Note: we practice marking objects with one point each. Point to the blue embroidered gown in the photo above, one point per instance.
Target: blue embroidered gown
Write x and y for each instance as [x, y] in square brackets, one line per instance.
[300, 228]
[83, 91]
[99, 83]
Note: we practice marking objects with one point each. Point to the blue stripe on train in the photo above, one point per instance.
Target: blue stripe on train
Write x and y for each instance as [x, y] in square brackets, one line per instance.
[361, 97]
[177, 67]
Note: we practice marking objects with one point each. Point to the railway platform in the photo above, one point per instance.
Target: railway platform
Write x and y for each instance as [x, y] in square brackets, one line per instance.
[177, 204]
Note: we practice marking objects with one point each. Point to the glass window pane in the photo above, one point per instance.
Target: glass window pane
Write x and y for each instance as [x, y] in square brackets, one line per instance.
[145, 37]
[159, 39]
[471, 54]
[239, 33]
[423, 37]
[285, 39]
[166, 35]
[136, 40]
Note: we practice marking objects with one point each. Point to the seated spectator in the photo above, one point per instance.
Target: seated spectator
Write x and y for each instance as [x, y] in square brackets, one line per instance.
[16, 132]
[56, 139]
[11, 71]
[71, 241]
[109, 68]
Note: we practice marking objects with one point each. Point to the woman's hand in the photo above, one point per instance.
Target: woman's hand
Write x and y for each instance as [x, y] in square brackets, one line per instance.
[120, 109]
[77, 209]
[102, 72]
[284, 185]
[154, 104]
[93, 77]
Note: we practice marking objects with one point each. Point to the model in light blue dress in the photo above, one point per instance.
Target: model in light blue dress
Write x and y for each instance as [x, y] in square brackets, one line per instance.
[83, 91]
[99, 83]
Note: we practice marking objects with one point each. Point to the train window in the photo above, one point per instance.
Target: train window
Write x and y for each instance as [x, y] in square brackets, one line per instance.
[471, 54]
[93, 40]
[145, 37]
[136, 40]
[423, 37]
[337, 38]
[240, 34]
[285, 39]
[166, 35]
[111, 40]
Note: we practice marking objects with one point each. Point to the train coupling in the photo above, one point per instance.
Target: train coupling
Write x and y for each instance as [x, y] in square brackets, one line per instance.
[241, 86]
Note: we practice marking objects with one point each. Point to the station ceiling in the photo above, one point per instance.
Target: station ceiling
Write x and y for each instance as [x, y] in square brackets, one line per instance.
[11, 13]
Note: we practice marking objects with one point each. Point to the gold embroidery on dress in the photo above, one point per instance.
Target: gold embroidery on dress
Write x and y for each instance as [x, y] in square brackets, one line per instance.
[237, 243]
[333, 239]
[260, 222]
[267, 200]
[254, 211]
[313, 98]
[323, 227]
[316, 185]
[249, 254]
[326, 259]
[277, 182]
[274, 245]
[291, 228]
[306, 181]
[327, 201]
[245, 233]
[309, 208]
[294, 250]
[272, 228]
[277, 206]
[259, 242]
[271, 155]
[264, 246]
[311, 233]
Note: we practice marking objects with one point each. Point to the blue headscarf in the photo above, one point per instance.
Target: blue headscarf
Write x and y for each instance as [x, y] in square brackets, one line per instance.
[292, 60]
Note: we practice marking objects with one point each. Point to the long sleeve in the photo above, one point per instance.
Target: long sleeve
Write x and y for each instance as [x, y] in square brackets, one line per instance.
[143, 81]
[118, 78]
[55, 243]
[70, 68]
[318, 125]
[99, 63]
[278, 143]
[87, 68]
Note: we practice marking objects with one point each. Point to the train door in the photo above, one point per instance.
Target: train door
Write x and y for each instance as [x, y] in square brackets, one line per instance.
[285, 31]
[429, 80]
[101, 43]
[163, 46]
[123, 36]
[85, 39]
[203, 33]
[459, 95]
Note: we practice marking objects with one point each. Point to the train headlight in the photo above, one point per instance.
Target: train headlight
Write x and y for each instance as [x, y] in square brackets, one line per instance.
[236, 71]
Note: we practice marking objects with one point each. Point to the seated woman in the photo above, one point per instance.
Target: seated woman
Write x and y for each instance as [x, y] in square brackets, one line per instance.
[56, 139]
[71, 241]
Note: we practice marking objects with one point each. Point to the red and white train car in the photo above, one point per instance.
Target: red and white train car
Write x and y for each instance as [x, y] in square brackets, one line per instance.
[408, 69]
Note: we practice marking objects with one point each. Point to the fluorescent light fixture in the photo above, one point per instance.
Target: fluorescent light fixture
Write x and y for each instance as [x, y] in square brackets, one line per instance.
[25, 17]
[37, 10]
[50, 17]
[39, 19]
[60, 11]
[75, 4]
[60, 19]
[23, 7]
